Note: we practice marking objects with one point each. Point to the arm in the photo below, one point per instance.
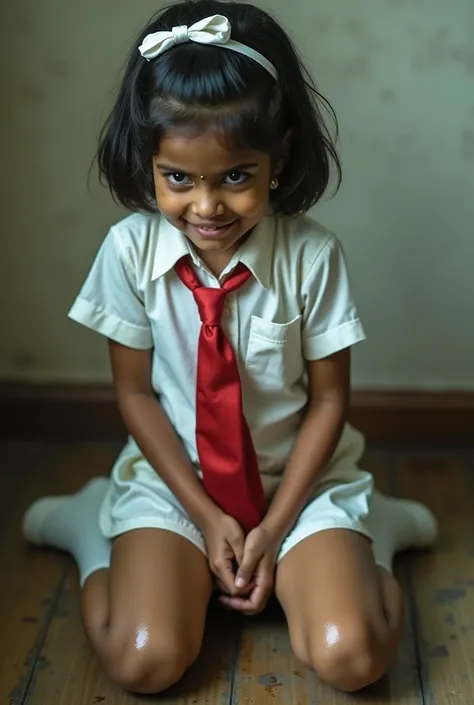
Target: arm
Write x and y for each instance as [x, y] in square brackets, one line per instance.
[329, 383]
[316, 441]
[111, 303]
[150, 427]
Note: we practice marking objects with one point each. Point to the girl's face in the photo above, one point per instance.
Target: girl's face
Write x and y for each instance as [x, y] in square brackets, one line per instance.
[218, 211]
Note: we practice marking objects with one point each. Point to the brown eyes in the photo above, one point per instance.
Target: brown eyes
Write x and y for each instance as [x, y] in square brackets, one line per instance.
[233, 178]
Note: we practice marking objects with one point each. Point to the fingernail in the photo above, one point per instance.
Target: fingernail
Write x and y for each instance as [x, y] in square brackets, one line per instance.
[239, 582]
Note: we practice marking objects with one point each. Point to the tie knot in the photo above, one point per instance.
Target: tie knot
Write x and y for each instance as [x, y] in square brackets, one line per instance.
[210, 303]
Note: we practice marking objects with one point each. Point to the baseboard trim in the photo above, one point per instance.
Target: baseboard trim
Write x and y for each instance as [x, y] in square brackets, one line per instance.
[70, 412]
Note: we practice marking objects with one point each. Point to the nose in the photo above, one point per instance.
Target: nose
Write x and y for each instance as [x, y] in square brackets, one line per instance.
[207, 202]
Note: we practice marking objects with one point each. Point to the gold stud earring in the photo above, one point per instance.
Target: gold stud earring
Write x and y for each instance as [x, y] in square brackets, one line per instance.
[202, 177]
[274, 183]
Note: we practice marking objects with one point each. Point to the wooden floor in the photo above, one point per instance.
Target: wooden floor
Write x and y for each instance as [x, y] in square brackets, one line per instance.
[45, 660]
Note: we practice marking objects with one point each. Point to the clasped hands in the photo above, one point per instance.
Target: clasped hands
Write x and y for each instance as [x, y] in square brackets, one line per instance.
[244, 566]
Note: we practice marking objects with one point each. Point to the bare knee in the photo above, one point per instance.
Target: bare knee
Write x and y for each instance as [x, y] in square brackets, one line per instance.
[347, 657]
[148, 668]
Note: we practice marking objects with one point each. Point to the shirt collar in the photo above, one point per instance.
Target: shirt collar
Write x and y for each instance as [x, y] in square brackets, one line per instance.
[256, 252]
[171, 246]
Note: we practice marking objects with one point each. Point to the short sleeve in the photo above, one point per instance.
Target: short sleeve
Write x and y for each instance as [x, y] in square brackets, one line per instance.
[330, 319]
[109, 301]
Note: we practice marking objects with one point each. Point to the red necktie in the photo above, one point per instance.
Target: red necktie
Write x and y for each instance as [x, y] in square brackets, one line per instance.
[225, 448]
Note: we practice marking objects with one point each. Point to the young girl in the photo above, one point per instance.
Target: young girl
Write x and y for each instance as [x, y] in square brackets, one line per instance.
[229, 318]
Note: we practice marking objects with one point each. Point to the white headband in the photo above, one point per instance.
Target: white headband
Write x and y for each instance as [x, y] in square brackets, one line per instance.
[212, 30]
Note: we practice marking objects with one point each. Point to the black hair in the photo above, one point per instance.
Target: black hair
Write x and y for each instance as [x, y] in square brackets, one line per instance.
[200, 87]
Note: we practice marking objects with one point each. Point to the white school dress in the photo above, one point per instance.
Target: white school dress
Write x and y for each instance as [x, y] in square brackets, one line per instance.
[297, 307]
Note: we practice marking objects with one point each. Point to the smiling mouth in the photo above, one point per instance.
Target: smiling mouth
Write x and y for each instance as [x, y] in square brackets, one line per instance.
[212, 226]
[212, 231]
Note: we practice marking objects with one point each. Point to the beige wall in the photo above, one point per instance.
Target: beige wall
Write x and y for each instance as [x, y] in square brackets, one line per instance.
[401, 76]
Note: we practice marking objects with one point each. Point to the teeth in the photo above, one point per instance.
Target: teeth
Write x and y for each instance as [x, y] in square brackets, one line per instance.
[212, 228]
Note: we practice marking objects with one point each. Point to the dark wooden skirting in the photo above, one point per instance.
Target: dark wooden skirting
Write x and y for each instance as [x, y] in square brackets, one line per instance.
[412, 417]
[69, 412]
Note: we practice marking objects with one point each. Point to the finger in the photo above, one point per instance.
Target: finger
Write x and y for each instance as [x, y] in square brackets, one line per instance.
[222, 568]
[242, 592]
[264, 580]
[221, 586]
[248, 588]
[251, 605]
[260, 596]
[239, 604]
[246, 567]
[237, 544]
[245, 606]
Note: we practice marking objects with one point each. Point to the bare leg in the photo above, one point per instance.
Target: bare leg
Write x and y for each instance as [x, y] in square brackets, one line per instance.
[145, 616]
[345, 614]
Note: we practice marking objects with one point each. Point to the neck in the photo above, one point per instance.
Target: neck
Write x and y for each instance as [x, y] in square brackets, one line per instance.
[218, 261]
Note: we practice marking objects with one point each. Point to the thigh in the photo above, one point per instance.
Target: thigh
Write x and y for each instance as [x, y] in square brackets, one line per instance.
[162, 580]
[154, 601]
[344, 614]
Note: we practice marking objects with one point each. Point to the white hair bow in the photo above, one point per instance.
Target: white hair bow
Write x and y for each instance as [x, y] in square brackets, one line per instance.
[213, 30]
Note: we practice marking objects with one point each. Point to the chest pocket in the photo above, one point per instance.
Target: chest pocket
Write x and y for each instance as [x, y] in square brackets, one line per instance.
[274, 355]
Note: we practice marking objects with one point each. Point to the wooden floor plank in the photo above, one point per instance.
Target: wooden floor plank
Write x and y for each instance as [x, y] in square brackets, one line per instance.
[30, 579]
[28, 592]
[402, 685]
[267, 672]
[443, 580]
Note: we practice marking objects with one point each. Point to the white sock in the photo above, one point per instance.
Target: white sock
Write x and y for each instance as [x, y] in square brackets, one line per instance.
[397, 525]
[71, 523]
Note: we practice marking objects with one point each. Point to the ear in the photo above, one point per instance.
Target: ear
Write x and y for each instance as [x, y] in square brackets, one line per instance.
[283, 154]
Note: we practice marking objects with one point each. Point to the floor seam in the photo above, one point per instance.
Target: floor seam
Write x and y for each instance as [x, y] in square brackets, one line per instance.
[21, 697]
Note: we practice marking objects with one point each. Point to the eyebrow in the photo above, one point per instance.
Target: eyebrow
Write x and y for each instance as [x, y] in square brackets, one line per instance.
[238, 167]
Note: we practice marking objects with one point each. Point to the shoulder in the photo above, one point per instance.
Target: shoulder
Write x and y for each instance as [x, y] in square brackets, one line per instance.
[137, 232]
[304, 242]
[135, 239]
